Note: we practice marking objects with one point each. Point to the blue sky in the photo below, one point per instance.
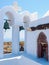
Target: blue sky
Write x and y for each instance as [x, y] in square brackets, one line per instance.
[41, 6]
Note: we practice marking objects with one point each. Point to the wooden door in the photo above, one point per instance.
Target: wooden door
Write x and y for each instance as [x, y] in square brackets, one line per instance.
[42, 39]
[39, 51]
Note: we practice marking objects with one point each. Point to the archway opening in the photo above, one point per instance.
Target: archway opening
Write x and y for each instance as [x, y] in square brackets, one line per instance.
[7, 46]
[42, 46]
[22, 38]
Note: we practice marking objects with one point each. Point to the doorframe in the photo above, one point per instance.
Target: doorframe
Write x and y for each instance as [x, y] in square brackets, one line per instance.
[41, 38]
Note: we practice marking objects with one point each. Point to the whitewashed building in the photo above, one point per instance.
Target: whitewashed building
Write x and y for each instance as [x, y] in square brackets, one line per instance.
[36, 33]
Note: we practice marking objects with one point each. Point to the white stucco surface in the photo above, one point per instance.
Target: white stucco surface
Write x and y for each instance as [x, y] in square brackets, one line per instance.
[21, 60]
[32, 37]
[15, 40]
[30, 45]
[13, 16]
[43, 20]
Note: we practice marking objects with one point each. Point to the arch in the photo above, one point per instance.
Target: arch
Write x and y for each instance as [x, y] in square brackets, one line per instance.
[13, 16]
[42, 46]
[10, 13]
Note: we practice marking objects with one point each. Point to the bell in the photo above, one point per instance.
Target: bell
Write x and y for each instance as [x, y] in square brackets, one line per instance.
[21, 28]
[6, 25]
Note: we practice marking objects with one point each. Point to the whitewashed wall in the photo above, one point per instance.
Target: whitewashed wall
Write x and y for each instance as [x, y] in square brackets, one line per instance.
[15, 39]
[32, 37]
[13, 16]
[1, 36]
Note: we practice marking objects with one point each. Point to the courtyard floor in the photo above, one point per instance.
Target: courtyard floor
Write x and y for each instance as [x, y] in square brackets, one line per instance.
[22, 59]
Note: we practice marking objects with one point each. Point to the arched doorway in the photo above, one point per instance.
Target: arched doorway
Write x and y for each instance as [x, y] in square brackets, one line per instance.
[42, 46]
